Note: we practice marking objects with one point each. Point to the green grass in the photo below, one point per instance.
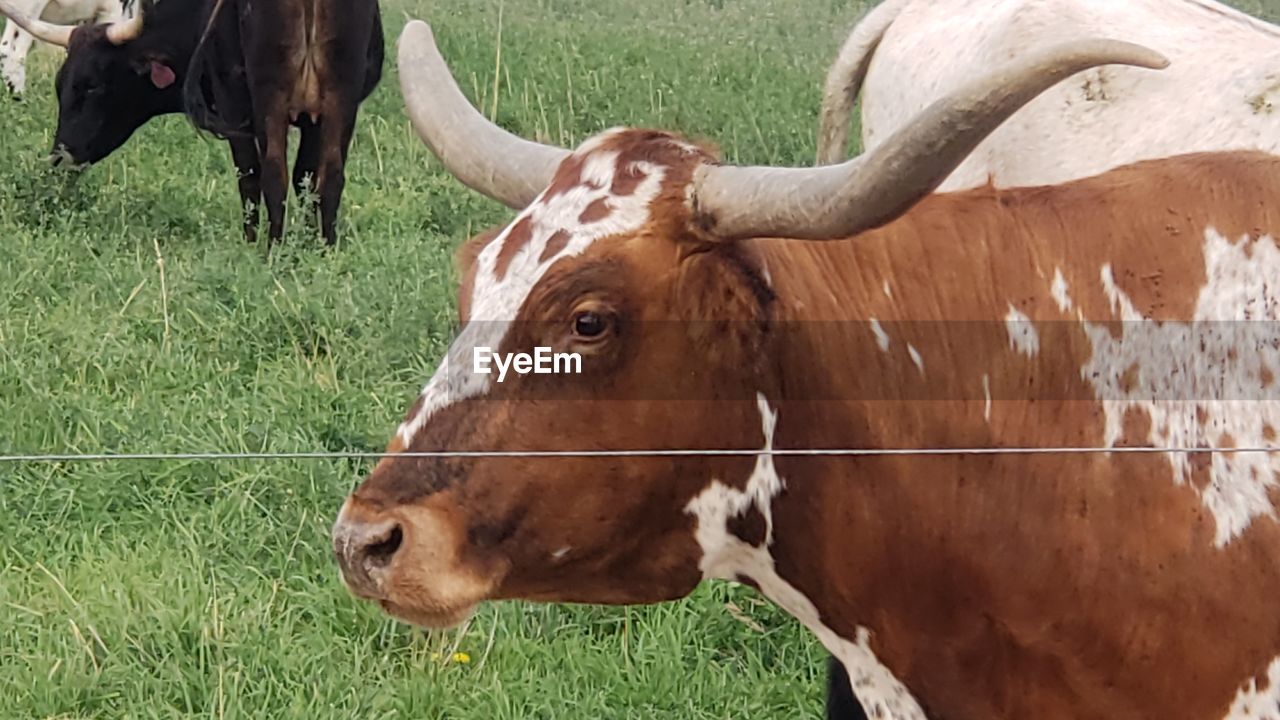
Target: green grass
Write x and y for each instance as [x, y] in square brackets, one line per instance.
[195, 588]
[133, 318]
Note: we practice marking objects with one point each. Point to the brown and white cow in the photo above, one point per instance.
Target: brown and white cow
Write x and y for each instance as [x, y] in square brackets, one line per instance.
[771, 310]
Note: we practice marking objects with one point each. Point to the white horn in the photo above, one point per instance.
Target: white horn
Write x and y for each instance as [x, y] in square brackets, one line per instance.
[59, 35]
[125, 31]
[838, 201]
[483, 156]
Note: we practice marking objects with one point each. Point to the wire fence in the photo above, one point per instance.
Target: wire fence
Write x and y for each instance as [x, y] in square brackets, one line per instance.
[12, 459]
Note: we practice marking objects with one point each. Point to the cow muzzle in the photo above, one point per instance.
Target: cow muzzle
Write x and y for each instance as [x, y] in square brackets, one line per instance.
[63, 158]
[365, 549]
[410, 560]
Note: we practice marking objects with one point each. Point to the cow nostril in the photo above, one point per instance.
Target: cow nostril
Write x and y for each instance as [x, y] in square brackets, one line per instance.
[379, 554]
[365, 550]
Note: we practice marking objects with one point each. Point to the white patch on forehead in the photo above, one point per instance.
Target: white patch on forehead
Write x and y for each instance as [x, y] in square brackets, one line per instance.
[1255, 703]
[597, 141]
[496, 301]
[727, 557]
[1206, 383]
[1058, 289]
[1022, 334]
[882, 337]
[915, 357]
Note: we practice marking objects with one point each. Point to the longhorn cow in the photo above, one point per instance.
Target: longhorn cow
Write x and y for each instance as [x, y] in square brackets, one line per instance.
[772, 311]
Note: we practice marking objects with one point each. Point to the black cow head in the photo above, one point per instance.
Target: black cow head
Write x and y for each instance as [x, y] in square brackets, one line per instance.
[108, 89]
[116, 75]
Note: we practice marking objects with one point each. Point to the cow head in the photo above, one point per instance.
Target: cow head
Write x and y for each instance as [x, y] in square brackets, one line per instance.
[623, 252]
[113, 80]
[600, 300]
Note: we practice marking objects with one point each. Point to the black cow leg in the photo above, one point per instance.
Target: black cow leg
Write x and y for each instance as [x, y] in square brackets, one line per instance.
[244, 153]
[841, 702]
[307, 164]
[274, 141]
[336, 130]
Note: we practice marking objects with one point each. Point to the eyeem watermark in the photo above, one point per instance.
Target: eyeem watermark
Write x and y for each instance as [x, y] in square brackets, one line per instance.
[541, 362]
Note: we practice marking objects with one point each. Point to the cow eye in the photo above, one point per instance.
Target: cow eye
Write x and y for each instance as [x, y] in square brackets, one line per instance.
[589, 324]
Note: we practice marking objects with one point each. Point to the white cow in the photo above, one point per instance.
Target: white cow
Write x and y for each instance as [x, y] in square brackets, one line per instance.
[16, 42]
[1221, 92]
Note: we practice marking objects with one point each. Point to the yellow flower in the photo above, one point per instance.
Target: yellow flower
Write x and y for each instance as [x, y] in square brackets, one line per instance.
[458, 657]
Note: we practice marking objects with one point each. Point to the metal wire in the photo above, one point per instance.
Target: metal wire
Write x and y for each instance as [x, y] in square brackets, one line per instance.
[786, 452]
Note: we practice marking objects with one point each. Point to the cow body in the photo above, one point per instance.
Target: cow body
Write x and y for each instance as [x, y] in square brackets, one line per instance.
[269, 65]
[1104, 313]
[15, 43]
[1221, 91]
[1072, 586]
[245, 71]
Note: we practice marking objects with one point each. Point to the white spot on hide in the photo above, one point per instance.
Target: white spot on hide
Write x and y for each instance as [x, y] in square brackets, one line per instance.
[882, 338]
[1201, 383]
[1254, 703]
[986, 392]
[726, 556]
[1059, 291]
[915, 357]
[716, 505]
[1022, 334]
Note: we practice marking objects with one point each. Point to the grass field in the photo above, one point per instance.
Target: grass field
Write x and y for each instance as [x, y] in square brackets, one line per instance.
[133, 319]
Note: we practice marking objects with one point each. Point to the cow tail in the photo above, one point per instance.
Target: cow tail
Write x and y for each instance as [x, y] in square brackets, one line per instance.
[844, 79]
[200, 85]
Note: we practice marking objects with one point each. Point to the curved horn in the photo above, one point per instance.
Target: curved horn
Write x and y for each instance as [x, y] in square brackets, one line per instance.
[838, 201]
[47, 32]
[483, 156]
[124, 31]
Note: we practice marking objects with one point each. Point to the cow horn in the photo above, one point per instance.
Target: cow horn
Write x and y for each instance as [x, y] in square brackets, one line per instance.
[46, 32]
[838, 201]
[125, 31]
[483, 156]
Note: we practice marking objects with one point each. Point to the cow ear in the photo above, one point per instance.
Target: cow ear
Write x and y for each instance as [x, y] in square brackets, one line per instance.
[727, 283]
[162, 76]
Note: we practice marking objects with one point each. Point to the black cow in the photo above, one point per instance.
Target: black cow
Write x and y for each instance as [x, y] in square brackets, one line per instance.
[243, 70]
